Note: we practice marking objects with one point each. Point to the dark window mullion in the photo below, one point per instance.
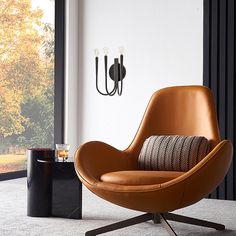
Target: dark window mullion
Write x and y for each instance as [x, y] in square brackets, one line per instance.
[59, 71]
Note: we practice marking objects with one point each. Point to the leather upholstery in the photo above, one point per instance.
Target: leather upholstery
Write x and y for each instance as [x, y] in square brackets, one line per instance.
[139, 177]
[181, 110]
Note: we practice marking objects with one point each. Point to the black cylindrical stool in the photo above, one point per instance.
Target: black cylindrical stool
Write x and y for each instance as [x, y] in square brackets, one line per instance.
[39, 181]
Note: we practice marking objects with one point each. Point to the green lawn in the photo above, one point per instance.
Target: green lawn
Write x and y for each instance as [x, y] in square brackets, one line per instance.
[12, 162]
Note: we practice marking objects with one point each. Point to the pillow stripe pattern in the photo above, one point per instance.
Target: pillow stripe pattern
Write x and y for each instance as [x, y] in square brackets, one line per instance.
[174, 152]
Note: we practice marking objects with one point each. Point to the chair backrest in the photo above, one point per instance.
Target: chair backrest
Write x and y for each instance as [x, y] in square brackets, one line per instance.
[180, 110]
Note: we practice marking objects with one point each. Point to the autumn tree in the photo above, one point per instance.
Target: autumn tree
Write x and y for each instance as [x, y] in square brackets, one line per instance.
[24, 67]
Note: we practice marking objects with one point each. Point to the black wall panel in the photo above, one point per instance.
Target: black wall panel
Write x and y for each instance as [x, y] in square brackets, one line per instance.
[219, 67]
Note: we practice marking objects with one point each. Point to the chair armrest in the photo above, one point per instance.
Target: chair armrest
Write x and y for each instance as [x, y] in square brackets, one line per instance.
[95, 158]
[183, 191]
[203, 178]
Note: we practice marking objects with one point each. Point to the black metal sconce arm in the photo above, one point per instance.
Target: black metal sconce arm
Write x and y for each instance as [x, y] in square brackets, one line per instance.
[117, 73]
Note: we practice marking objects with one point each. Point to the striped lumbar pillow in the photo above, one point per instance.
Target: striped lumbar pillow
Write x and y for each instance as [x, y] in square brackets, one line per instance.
[176, 153]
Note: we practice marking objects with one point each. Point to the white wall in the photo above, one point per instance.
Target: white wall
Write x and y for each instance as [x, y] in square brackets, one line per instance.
[163, 47]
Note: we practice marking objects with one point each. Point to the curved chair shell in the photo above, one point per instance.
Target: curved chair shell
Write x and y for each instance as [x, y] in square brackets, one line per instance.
[180, 192]
[182, 110]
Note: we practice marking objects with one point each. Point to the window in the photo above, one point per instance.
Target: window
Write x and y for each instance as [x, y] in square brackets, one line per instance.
[27, 86]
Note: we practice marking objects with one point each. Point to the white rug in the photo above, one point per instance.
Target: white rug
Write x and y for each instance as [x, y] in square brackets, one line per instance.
[97, 213]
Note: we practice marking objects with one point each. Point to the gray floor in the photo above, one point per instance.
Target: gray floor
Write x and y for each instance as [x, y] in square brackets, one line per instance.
[97, 212]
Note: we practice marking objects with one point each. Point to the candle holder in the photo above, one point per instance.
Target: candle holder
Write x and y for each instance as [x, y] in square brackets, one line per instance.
[117, 73]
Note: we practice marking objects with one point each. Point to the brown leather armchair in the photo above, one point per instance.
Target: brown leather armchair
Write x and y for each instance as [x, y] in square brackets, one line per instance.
[182, 110]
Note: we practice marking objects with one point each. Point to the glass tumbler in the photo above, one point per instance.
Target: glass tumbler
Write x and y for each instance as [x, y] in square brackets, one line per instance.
[62, 151]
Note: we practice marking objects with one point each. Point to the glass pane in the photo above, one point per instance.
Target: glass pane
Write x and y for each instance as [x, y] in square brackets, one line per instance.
[26, 79]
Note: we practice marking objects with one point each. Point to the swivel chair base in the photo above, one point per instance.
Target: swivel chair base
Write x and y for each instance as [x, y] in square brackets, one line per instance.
[157, 218]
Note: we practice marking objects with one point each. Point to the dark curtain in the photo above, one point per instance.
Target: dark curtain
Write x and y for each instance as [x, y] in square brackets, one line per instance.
[219, 48]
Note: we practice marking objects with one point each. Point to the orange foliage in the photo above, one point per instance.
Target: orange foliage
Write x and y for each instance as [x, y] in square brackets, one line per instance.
[23, 68]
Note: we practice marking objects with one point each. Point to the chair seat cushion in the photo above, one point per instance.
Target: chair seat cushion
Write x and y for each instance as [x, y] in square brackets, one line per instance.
[139, 177]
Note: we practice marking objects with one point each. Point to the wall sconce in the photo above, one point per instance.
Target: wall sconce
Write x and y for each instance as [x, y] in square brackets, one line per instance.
[117, 73]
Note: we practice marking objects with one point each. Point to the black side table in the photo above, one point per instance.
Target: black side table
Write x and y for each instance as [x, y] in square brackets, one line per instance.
[54, 188]
[39, 181]
[66, 191]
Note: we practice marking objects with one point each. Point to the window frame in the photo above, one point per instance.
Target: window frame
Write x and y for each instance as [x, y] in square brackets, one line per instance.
[59, 83]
